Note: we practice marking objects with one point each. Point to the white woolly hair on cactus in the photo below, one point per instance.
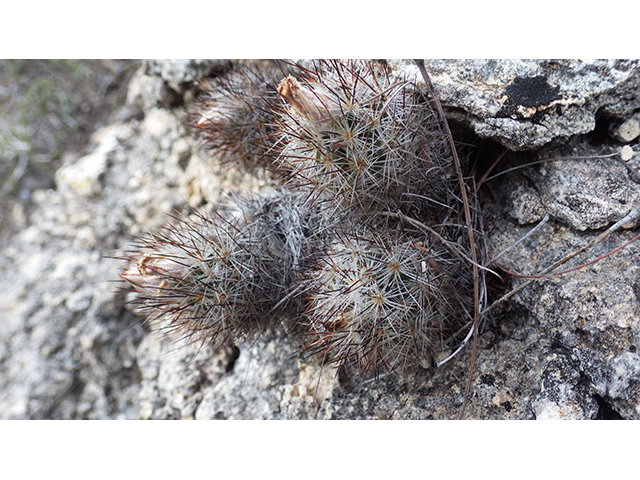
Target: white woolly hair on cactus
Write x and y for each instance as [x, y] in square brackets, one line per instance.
[378, 303]
[223, 277]
[356, 131]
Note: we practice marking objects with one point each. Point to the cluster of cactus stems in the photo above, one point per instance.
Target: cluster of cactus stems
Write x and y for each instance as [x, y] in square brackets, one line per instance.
[363, 247]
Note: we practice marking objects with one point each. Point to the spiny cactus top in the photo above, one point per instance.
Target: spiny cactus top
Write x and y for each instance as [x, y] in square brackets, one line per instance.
[357, 132]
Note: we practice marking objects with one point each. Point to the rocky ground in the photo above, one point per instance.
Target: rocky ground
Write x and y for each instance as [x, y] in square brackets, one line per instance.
[563, 347]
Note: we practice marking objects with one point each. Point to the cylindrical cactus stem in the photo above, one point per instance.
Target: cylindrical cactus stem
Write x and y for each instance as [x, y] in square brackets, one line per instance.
[235, 118]
[223, 277]
[356, 131]
[378, 303]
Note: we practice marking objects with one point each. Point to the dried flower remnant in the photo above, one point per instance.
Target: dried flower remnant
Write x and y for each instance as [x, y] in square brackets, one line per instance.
[314, 107]
[153, 273]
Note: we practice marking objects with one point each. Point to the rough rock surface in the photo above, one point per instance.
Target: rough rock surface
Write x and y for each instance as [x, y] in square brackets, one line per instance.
[564, 347]
[526, 103]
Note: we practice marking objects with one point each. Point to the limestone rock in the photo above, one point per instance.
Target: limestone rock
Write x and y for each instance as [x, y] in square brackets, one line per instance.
[525, 104]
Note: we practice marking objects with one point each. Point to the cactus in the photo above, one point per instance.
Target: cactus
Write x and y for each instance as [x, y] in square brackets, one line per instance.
[380, 303]
[224, 276]
[363, 248]
[235, 118]
[357, 132]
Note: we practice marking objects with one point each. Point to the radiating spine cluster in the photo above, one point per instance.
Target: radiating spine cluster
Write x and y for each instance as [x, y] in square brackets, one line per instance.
[355, 131]
[235, 117]
[378, 302]
[363, 156]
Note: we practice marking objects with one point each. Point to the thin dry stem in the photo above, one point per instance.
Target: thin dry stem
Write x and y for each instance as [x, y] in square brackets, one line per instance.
[469, 224]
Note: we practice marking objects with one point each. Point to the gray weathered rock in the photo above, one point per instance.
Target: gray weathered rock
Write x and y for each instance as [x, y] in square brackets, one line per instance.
[527, 103]
[564, 347]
